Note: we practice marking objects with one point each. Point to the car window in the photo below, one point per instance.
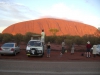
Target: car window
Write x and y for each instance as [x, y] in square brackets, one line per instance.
[34, 43]
[8, 45]
[98, 46]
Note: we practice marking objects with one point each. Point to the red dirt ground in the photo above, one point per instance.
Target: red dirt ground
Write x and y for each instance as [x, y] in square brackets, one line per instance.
[55, 56]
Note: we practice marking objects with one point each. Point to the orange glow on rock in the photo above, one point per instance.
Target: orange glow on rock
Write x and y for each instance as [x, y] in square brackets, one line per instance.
[65, 27]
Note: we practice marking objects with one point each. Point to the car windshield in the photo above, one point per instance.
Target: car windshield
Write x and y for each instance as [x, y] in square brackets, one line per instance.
[98, 46]
[8, 45]
[34, 43]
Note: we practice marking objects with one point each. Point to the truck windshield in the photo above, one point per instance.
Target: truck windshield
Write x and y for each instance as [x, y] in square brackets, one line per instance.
[34, 43]
[98, 46]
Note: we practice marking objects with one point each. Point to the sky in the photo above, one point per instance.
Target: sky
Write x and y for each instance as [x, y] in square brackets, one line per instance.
[14, 11]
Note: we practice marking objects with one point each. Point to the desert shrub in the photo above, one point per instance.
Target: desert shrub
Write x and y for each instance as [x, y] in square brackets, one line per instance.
[7, 37]
[18, 38]
[1, 37]
[69, 40]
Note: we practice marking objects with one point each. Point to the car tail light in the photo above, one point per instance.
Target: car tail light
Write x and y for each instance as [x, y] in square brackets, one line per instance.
[0, 49]
[12, 49]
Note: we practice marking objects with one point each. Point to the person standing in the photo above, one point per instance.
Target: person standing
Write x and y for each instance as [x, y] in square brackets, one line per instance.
[48, 49]
[88, 46]
[43, 37]
[63, 48]
[72, 49]
[94, 50]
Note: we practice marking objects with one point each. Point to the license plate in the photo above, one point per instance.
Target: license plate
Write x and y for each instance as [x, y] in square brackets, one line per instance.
[5, 49]
[33, 51]
[28, 54]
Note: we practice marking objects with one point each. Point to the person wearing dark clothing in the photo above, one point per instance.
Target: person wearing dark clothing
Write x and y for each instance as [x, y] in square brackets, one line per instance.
[48, 49]
[88, 46]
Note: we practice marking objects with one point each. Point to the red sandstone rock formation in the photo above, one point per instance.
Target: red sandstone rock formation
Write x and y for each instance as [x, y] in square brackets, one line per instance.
[65, 27]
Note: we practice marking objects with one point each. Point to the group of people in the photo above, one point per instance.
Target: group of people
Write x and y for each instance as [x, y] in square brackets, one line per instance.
[63, 48]
[88, 49]
[48, 46]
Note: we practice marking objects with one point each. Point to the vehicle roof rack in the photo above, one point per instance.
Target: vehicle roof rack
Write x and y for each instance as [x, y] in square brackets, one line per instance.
[35, 37]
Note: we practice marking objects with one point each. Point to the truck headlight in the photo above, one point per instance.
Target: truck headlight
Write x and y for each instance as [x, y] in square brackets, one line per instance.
[39, 51]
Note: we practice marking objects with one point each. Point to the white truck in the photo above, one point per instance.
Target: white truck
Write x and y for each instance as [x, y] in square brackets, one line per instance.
[35, 46]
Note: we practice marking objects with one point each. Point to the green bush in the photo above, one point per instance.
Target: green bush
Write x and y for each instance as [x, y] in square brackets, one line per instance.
[69, 40]
[7, 37]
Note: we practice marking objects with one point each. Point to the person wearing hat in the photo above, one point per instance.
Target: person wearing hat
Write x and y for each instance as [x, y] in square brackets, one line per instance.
[88, 46]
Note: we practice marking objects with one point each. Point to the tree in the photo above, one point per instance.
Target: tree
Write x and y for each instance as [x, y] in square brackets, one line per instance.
[28, 35]
[7, 37]
[18, 38]
[1, 37]
[54, 31]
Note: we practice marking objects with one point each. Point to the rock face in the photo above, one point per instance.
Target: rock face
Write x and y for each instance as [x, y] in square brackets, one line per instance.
[65, 27]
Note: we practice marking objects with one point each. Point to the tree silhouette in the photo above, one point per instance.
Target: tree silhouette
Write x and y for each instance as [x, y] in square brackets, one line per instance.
[54, 31]
[18, 38]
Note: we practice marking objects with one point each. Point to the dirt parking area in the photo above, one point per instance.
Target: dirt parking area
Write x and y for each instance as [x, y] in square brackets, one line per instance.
[55, 56]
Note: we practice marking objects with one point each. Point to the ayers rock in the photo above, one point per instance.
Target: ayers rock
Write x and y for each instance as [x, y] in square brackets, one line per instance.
[65, 27]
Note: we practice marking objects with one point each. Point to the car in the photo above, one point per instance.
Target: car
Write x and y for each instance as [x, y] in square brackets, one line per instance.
[9, 48]
[97, 49]
[35, 48]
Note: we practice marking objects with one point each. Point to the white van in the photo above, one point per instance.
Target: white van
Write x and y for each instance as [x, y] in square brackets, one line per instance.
[35, 48]
[97, 49]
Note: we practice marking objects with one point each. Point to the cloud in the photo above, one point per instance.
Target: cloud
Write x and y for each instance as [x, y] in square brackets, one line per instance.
[11, 12]
[17, 11]
[5, 23]
[61, 10]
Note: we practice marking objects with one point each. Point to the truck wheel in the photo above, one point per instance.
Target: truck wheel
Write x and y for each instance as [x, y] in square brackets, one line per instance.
[42, 55]
[28, 55]
[2, 54]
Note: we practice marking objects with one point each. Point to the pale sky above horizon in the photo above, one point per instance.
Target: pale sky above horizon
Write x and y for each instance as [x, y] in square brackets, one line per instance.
[14, 11]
